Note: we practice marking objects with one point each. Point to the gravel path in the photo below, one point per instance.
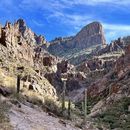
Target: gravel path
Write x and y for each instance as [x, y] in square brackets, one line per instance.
[27, 118]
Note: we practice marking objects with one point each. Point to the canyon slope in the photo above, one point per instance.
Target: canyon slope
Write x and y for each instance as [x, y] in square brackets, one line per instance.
[90, 36]
[63, 68]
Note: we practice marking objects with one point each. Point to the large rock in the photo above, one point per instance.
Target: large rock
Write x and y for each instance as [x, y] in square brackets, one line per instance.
[90, 35]
[18, 47]
[116, 45]
[5, 91]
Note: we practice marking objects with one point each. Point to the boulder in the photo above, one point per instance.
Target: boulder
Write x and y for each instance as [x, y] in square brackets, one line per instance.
[5, 91]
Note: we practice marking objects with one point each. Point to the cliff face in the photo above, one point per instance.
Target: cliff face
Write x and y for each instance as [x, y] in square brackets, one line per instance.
[21, 43]
[89, 36]
[20, 49]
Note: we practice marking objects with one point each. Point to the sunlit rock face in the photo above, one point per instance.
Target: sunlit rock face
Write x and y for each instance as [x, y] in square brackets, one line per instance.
[90, 35]
[18, 47]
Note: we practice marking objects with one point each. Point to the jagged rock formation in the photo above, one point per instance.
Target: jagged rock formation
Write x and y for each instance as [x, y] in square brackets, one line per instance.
[20, 53]
[89, 36]
[116, 81]
[95, 64]
[117, 45]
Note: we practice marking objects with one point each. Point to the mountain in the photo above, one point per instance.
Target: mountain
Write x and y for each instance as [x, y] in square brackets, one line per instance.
[55, 76]
[77, 48]
[89, 36]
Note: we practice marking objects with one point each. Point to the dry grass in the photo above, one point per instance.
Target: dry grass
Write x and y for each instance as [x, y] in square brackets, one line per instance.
[6, 80]
[4, 120]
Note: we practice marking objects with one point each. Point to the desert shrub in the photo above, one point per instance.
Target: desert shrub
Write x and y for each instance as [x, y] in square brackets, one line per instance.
[4, 120]
[90, 103]
[53, 106]
[3, 110]
[19, 97]
[117, 115]
[113, 76]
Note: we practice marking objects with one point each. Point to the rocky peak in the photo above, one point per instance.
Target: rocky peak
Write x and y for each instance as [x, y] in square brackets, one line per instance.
[90, 35]
[40, 39]
[93, 28]
[8, 24]
[22, 25]
[116, 45]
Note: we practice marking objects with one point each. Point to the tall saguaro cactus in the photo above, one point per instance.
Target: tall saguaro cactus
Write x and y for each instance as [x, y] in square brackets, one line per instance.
[69, 109]
[63, 96]
[18, 83]
[85, 105]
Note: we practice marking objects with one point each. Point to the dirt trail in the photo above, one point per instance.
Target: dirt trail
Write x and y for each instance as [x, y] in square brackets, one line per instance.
[27, 118]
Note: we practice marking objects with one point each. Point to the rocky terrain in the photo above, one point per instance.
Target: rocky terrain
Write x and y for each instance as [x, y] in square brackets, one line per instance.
[58, 74]
[91, 35]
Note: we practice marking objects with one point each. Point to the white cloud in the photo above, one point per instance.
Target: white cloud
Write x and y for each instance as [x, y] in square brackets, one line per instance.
[74, 21]
[37, 23]
[96, 2]
[113, 31]
[117, 27]
[49, 5]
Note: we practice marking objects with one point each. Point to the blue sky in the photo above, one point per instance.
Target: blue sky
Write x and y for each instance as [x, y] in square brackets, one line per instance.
[53, 18]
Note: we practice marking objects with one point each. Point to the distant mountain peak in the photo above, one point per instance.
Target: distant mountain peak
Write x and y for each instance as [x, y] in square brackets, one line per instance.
[90, 35]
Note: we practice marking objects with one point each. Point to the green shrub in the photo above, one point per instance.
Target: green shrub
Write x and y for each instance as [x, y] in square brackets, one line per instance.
[117, 115]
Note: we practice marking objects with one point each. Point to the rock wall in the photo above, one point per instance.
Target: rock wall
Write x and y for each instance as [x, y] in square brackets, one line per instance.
[90, 35]
[21, 48]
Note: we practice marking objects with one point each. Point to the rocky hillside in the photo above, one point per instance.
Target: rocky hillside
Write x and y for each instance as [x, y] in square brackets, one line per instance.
[90, 35]
[21, 54]
[47, 81]
[25, 62]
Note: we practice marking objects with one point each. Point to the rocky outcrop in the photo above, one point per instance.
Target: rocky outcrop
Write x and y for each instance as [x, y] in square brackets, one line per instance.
[22, 52]
[90, 35]
[24, 45]
[95, 65]
[117, 45]
[17, 38]
[115, 81]
[58, 45]
[45, 62]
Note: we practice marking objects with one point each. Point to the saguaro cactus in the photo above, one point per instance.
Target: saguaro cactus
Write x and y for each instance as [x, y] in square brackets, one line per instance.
[82, 106]
[18, 83]
[85, 105]
[63, 96]
[69, 109]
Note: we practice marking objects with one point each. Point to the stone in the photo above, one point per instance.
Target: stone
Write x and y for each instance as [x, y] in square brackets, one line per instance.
[5, 91]
[48, 61]
[62, 67]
